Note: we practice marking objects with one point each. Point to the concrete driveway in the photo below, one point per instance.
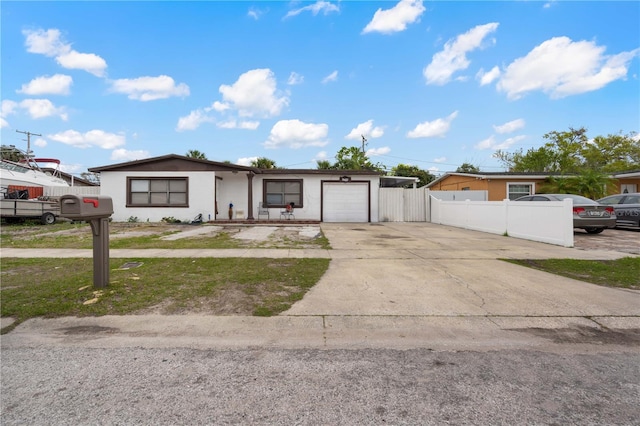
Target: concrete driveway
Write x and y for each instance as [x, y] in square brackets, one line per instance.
[421, 269]
[389, 285]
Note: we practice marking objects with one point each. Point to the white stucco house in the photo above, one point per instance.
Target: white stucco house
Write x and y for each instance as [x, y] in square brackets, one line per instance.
[183, 188]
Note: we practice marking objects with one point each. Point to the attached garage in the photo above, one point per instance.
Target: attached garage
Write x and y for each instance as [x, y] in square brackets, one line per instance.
[346, 201]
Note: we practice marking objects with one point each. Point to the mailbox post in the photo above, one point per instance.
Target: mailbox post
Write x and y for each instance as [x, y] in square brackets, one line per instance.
[96, 210]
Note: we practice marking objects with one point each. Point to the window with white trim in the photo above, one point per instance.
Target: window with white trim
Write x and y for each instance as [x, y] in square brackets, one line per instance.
[158, 192]
[517, 190]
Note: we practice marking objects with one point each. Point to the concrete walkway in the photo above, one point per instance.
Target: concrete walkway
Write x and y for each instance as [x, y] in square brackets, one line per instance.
[398, 285]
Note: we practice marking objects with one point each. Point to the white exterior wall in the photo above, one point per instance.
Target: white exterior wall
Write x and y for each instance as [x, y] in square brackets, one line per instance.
[201, 196]
[312, 190]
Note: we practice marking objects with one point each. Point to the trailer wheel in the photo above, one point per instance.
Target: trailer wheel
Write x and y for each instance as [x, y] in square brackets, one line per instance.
[48, 219]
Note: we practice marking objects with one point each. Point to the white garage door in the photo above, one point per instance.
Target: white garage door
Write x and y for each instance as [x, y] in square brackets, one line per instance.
[345, 202]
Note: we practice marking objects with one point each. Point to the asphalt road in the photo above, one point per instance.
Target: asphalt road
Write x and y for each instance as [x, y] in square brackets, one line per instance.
[478, 343]
[126, 386]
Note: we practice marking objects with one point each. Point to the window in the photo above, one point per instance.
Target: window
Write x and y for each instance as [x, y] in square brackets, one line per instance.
[516, 190]
[279, 193]
[157, 192]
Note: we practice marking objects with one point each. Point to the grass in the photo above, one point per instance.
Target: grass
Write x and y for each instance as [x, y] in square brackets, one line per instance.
[64, 287]
[79, 236]
[622, 273]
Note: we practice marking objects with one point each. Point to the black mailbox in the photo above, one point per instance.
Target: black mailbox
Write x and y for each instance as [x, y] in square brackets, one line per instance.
[85, 207]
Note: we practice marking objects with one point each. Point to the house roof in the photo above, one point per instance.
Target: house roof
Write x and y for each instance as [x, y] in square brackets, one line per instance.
[332, 172]
[174, 162]
[522, 175]
[495, 175]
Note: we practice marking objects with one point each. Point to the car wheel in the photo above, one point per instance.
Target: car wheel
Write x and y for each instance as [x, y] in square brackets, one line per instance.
[594, 230]
[48, 219]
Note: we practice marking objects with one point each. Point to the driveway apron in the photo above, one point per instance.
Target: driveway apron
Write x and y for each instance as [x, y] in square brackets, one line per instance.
[421, 269]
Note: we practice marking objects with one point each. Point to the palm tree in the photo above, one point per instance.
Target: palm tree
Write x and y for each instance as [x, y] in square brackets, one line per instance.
[194, 153]
[263, 163]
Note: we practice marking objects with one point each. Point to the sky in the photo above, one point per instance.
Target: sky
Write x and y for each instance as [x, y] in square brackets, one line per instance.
[429, 84]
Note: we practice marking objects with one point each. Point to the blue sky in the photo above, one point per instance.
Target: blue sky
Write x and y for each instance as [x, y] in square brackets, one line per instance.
[432, 84]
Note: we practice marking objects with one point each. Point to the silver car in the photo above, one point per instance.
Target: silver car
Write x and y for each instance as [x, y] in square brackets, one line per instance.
[627, 207]
[587, 214]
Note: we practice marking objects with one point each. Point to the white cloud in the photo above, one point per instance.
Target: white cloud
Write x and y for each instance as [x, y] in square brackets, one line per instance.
[218, 106]
[97, 138]
[149, 88]
[193, 120]
[246, 161]
[41, 108]
[489, 76]
[295, 78]
[454, 55]
[126, 155]
[319, 6]
[491, 143]
[395, 19]
[432, 129]
[58, 84]
[40, 142]
[365, 129]
[331, 77]
[256, 13]
[50, 43]
[255, 94]
[8, 107]
[378, 151]
[233, 124]
[440, 160]
[296, 134]
[561, 67]
[88, 62]
[46, 43]
[509, 127]
[322, 155]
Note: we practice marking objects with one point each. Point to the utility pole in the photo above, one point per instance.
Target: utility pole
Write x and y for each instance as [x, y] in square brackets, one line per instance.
[364, 140]
[29, 134]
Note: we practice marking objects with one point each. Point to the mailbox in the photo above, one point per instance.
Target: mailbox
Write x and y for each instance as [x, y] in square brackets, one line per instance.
[85, 207]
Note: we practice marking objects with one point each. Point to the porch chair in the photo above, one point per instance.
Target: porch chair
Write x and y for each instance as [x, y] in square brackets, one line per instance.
[288, 213]
[262, 210]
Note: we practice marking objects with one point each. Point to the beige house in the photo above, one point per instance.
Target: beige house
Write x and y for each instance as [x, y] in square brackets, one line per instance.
[500, 186]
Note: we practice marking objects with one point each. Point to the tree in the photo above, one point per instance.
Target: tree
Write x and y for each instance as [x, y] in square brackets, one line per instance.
[589, 183]
[352, 158]
[263, 163]
[573, 152]
[11, 153]
[324, 164]
[468, 168]
[91, 177]
[194, 153]
[412, 171]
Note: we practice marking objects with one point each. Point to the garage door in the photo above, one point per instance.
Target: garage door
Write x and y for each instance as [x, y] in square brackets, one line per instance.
[345, 202]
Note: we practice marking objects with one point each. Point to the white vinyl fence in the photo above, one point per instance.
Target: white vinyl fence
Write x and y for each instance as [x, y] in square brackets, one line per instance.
[402, 205]
[58, 191]
[545, 221]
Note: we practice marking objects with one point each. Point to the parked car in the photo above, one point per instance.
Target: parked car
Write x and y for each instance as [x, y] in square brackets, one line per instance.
[626, 206]
[589, 215]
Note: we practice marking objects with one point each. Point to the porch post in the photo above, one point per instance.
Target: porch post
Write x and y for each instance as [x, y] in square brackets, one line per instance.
[250, 192]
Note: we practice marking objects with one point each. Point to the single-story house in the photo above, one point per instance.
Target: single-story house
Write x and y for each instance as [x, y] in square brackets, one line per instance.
[508, 185]
[175, 186]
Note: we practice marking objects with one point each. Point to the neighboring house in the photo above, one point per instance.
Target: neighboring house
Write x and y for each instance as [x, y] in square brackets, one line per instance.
[183, 188]
[505, 185]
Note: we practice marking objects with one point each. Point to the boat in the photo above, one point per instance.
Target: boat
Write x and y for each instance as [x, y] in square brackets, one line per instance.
[26, 174]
